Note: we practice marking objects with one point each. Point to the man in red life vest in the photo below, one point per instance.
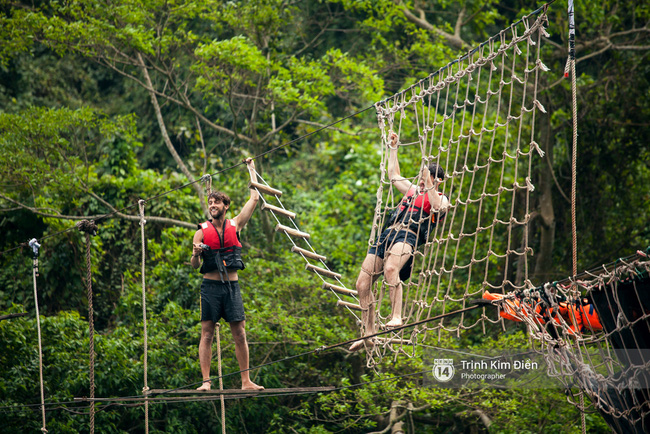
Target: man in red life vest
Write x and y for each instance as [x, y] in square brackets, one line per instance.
[420, 210]
[217, 244]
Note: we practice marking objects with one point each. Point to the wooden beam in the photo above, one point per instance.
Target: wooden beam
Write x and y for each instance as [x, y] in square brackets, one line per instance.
[308, 253]
[269, 207]
[264, 189]
[12, 315]
[322, 271]
[339, 289]
[350, 305]
[289, 231]
[288, 390]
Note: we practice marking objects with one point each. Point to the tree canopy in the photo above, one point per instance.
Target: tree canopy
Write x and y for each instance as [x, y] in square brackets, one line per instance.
[106, 103]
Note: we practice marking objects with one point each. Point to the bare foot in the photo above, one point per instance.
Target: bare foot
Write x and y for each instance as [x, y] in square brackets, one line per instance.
[249, 385]
[358, 345]
[395, 322]
[205, 386]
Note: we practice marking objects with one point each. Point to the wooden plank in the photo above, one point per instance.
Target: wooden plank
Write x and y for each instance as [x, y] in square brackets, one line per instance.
[288, 390]
[339, 289]
[308, 253]
[264, 189]
[268, 206]
[397, 341]
[350, 305]
[322, 271]
[289, 231]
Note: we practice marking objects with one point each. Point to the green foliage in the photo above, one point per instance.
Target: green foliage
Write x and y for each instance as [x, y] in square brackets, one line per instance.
[79, 136]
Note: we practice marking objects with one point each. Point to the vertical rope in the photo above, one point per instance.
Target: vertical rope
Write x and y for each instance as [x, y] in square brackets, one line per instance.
[223, 403]
[571, 64]
[91, 335]
[145, 389]
[89, 227]
[207, 178]
[33, 243]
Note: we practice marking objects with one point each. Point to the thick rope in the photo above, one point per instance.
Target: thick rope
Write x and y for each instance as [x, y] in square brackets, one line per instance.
[89, 227]
[574, 166]
[208, 189]
[145, 389]
[223, 403]
[35, 246]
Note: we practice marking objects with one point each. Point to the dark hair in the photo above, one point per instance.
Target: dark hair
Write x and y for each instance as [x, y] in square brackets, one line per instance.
[219, 197]
[437, 171]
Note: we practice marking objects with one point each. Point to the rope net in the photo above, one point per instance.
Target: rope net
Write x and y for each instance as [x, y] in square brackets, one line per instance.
[475, 118]
[594, 332]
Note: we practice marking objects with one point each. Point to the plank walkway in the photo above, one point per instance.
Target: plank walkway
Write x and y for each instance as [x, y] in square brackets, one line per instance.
[288, 390]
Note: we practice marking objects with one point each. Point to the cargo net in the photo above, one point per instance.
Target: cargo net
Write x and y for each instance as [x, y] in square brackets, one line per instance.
[474, 117]
[594, 332]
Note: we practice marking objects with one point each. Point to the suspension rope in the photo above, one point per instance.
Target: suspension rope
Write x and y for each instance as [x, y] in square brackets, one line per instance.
[89, 227]
[145, 389]
[571, 67]
[34, 244]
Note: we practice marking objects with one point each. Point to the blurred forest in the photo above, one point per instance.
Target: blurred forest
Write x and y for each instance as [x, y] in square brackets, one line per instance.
[104, 103]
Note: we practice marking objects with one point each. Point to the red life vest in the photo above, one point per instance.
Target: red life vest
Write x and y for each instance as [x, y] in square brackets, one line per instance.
[211, 236]
[224, 251]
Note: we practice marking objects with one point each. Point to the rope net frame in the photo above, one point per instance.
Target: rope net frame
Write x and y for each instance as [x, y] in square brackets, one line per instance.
[476, 118]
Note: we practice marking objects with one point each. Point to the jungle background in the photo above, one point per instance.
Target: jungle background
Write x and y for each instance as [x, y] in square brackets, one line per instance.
[103, 103]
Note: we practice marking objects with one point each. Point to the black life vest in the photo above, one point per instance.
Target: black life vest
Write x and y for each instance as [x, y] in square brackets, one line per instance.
[415, 212]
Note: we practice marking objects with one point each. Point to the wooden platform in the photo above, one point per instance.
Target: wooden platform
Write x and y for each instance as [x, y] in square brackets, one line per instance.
[289, 390]
[171, 395]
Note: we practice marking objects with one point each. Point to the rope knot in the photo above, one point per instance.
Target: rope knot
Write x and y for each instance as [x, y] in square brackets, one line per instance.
[141, 203]
[87, 226]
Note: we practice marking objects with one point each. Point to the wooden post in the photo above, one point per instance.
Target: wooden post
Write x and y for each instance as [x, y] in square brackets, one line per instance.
[322, 271]
[350, 305]
[264, 189]
[339, 289]
[290, 231]
[308, 253]
[267, 206]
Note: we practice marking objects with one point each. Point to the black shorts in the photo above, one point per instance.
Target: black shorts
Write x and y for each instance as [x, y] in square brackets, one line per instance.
[390, 237]
[221, 300]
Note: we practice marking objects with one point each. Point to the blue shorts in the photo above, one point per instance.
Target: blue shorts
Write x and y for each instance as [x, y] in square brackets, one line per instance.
[388, 238]
[221, 300]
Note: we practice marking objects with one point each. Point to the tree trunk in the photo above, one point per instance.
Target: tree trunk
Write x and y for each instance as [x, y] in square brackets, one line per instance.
[544, 262]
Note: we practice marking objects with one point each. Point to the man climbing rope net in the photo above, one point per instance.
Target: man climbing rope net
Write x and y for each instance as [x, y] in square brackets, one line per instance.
[217, 243]
[419, 211]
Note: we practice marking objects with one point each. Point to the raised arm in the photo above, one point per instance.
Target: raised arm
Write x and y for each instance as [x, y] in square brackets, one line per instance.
[403, 185]
[439, 202]
[242, 218]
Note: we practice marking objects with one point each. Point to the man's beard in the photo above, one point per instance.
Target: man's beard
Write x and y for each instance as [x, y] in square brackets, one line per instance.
[218, 215]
